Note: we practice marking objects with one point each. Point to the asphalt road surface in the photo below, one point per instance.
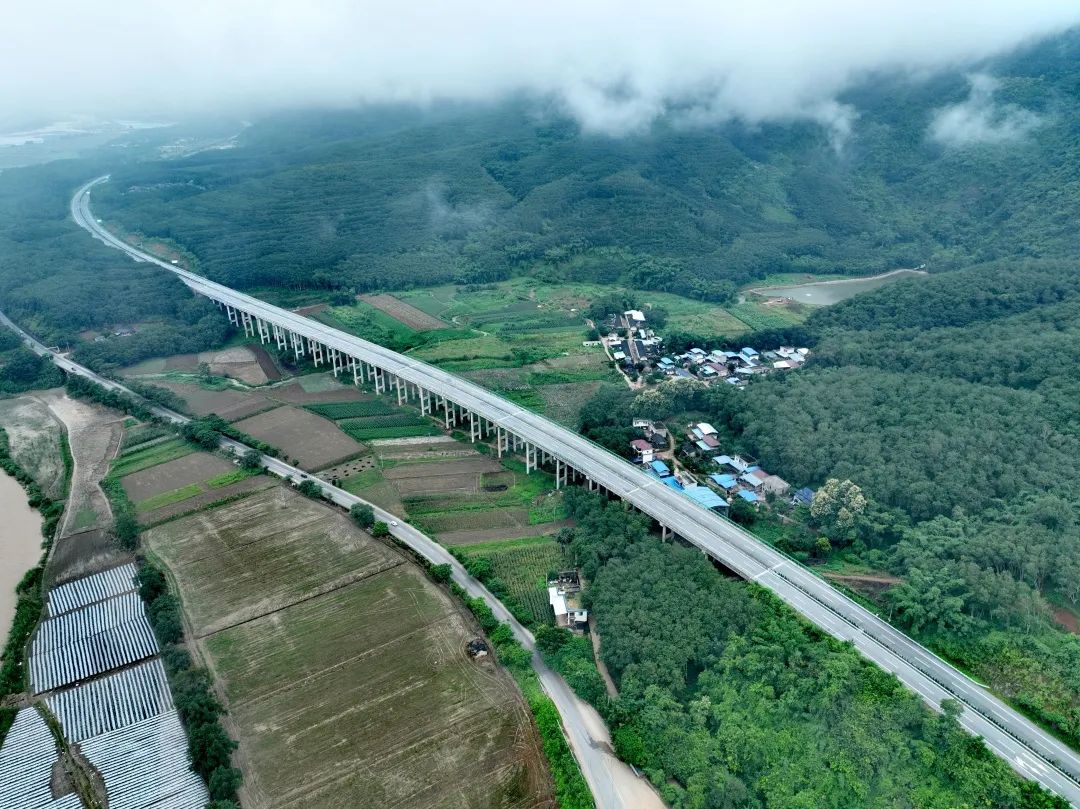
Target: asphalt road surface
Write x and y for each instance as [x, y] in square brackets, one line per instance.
[614, 785]
[1027, 748]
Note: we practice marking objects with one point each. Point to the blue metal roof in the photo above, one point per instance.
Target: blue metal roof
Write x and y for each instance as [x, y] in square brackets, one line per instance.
[805, 495]
[660, 468]
[723, 481]
[672, 483]
[705, 496]
[749, 497]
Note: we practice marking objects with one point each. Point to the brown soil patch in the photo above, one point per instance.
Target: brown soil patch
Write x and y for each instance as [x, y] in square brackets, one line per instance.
[402, 312]
[201, 501]
[314, 309]
[229, 404]
[869, 585]
[82, 554]
[348, 469]
[293, 393]
[479, 535]
[313, 441]
[94, 434]
[266, 363]
[176, 474]
[1067, 618]
[462, 466]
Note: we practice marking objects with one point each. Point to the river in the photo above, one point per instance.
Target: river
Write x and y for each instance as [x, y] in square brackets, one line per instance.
[823, 293]
[20, 545]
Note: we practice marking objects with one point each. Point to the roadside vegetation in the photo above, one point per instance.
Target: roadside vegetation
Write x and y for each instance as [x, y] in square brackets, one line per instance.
[726, 698]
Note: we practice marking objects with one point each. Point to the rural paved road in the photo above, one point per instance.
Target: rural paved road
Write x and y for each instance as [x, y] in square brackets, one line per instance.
[613, 784]
[1027, 748]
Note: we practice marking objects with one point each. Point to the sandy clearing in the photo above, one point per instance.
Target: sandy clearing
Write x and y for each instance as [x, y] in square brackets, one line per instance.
[94, 434]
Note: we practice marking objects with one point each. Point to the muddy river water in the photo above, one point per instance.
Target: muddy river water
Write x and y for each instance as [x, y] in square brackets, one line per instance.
[20, 545]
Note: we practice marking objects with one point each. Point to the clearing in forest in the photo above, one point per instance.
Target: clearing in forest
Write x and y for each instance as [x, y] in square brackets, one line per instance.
[408, 314]
[344, 667]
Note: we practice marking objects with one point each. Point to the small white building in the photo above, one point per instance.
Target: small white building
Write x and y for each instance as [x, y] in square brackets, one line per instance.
[635, 315]
[705, 428]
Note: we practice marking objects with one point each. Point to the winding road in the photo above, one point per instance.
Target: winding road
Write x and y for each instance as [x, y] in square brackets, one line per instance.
[1027, 748]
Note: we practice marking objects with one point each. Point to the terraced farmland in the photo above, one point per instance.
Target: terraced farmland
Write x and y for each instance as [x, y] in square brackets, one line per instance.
[344, 667]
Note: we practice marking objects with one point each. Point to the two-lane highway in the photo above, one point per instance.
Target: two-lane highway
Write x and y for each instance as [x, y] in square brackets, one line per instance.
[1027, 748]
[613, 784]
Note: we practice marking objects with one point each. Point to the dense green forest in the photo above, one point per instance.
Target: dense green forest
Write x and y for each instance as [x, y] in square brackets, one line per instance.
[952, 402]
[56, 281]
[728, 700]
[391, 198]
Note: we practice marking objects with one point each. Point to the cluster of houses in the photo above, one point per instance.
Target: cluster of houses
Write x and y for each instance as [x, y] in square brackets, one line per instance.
[734, 367]
[733, 476]
[630, 339]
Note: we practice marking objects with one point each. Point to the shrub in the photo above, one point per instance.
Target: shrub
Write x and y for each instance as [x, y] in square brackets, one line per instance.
[441, 573]
[380, 529]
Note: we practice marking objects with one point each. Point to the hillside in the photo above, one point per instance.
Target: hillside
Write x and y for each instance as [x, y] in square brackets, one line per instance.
[391, 198]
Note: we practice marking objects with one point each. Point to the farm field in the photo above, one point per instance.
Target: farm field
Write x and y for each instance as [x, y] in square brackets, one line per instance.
[250, 364]
[313, 441]
[176, 474]
[410, 316]
[314, 630]
[523, 566]
[261, 554]
[310, 389]
[762, 315]
[230, 403]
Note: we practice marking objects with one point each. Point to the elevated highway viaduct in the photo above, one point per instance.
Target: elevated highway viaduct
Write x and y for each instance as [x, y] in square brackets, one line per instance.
[1027, 748]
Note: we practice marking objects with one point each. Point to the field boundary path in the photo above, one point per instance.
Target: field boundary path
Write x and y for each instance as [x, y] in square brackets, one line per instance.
[1031, 751]
[613, 783]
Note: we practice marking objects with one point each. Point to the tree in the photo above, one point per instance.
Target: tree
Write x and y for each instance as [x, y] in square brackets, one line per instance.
[441, 573]
[309, 488]
[223, 783]
[380, 529]
[23, 366]
[836, 508]
[251, 460]
[362, 514]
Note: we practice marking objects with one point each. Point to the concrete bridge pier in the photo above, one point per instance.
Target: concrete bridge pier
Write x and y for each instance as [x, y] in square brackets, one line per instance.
[246, 318]
[316, 352]
[474, 427]
[264, 331]
[380, 379]
[279, 337]
[232, 315]
[425, 401]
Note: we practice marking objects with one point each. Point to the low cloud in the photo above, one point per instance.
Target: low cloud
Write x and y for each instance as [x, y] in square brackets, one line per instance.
[617, 66]
[981, 120]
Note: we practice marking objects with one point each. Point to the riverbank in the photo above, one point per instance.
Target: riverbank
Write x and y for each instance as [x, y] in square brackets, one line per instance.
[20, 545]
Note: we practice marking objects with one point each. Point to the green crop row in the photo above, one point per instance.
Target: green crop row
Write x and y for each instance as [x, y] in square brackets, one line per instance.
[350, 410]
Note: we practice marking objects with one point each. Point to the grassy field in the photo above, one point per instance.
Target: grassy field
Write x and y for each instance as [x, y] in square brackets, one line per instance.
[759, 315]
[523, 566]
[151, 456]
[344, 667]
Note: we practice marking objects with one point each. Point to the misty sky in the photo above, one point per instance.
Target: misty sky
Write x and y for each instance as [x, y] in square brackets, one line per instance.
[615, 66]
